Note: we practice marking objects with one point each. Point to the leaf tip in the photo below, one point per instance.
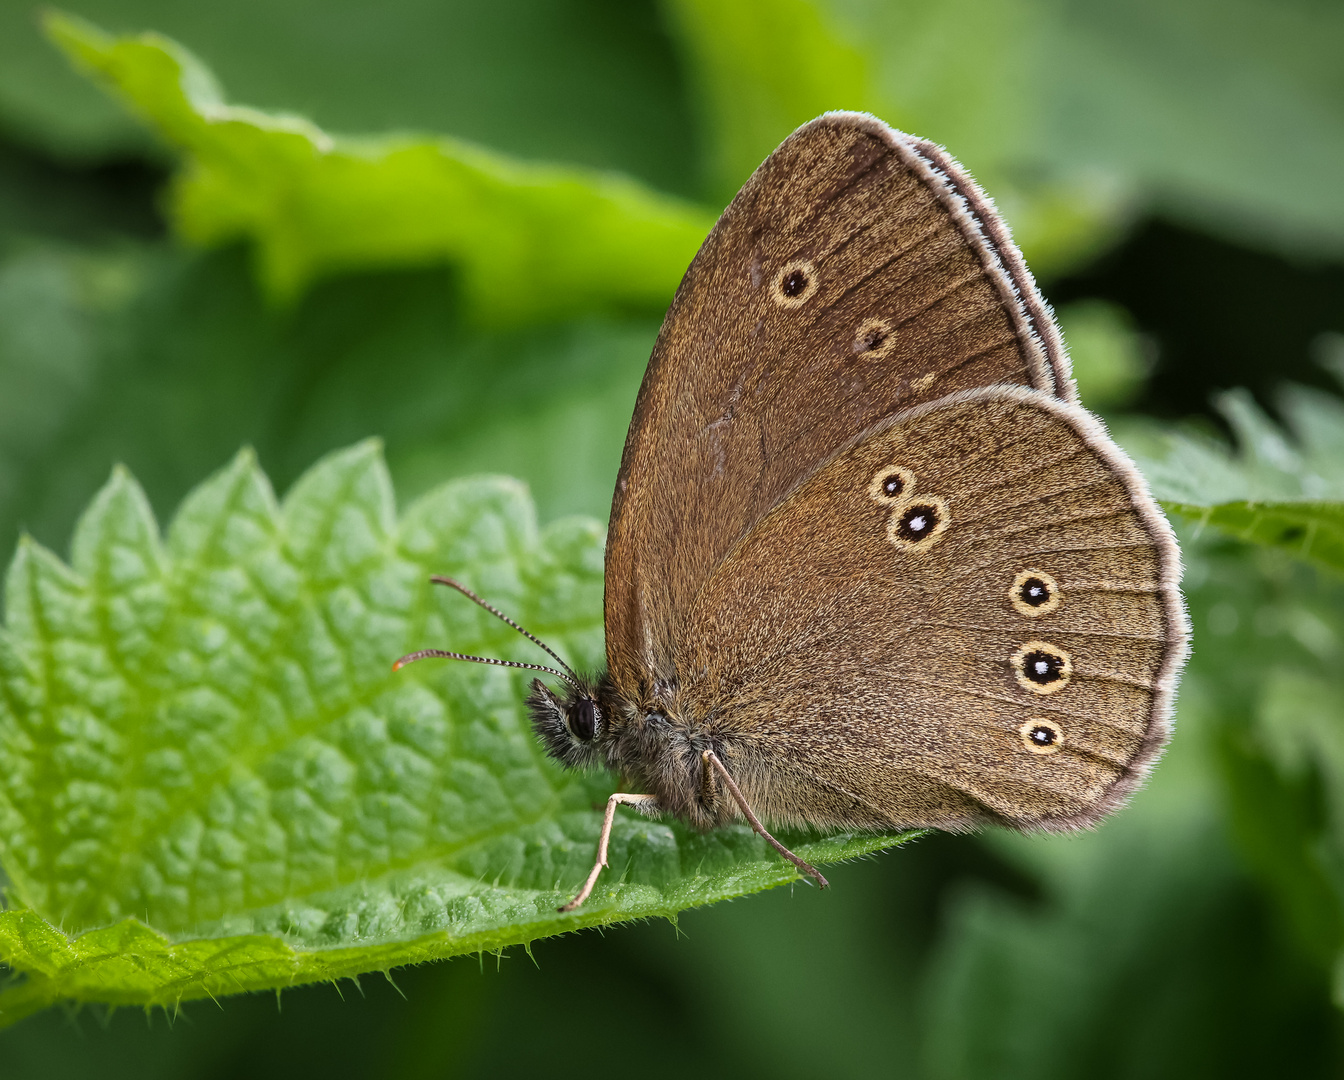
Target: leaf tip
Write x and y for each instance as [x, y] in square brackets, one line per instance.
[71, 34]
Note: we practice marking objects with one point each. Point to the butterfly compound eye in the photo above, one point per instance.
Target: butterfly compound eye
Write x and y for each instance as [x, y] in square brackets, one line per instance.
[583, 719]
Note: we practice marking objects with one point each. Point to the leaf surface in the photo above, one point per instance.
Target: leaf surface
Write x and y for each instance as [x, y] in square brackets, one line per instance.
[212, 781]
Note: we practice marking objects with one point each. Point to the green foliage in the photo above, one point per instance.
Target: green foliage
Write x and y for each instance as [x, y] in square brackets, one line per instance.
[204, 736]
[1066, 113]
[762, 69]
[1161, 97]
[1309, 530]
[544, 79]
[529, 241]
[1085, 107]
[168, 360]
[1269, 640]
[1282, 490]
[1109, 358]
[1304, 463]
[1272, 633]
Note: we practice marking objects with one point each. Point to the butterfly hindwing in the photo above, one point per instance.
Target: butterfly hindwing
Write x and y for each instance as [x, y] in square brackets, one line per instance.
[970, 615]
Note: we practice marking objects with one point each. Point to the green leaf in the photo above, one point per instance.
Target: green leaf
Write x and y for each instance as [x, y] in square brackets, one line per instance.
[1303, 463]
[1073, 116]
[212, 781]
[168, 359]
[1309, 530]
[1282, 489]
[1103, 110]
[529, 241]
[542, 79]
[1160, 96]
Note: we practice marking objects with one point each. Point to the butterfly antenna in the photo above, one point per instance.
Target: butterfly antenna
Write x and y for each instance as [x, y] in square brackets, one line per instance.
[572, 678]
[425, 654]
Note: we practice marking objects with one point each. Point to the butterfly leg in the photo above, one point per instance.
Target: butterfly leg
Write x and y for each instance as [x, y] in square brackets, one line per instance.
[711, 758]
[615, 801]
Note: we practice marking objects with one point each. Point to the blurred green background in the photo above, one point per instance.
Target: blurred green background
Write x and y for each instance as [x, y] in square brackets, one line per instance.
[1172, 170]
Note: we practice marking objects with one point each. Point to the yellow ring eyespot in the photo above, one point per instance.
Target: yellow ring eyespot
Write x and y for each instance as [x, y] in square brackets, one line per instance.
[795, 284]
[1042, 668]
[873, 339]
[918, 523]
[1035, 593]
[1041, 736]
[890, 484]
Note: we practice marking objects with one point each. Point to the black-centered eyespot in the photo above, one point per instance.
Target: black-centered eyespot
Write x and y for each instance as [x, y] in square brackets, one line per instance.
[1041, 736]
[890, 483]
[1035, 593]
[918, 523]
[873, 339]
[794, 284]
[583, 719]
[1041, 667]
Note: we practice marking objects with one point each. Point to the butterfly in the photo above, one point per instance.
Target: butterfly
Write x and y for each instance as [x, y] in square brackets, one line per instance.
[870, 563]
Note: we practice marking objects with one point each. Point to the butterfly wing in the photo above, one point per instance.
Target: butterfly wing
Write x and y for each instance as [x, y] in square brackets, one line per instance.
[970, 615]
[858, 272]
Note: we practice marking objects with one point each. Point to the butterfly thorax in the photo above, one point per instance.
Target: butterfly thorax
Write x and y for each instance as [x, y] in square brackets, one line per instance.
[649, 740]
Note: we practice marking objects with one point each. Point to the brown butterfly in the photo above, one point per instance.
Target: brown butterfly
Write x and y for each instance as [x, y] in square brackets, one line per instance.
[870, 565]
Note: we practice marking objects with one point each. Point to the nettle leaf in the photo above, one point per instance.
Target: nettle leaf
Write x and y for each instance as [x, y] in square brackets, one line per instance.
[167, 360]
[212, 781]
[530, 241]
[1302, 464]
[1282, 489]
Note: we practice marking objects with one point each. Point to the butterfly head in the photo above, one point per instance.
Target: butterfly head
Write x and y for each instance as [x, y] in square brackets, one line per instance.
[569, 724]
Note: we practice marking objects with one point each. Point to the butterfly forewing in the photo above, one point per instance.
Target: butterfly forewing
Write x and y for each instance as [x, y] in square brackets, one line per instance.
[970, 615]
[858, 273]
